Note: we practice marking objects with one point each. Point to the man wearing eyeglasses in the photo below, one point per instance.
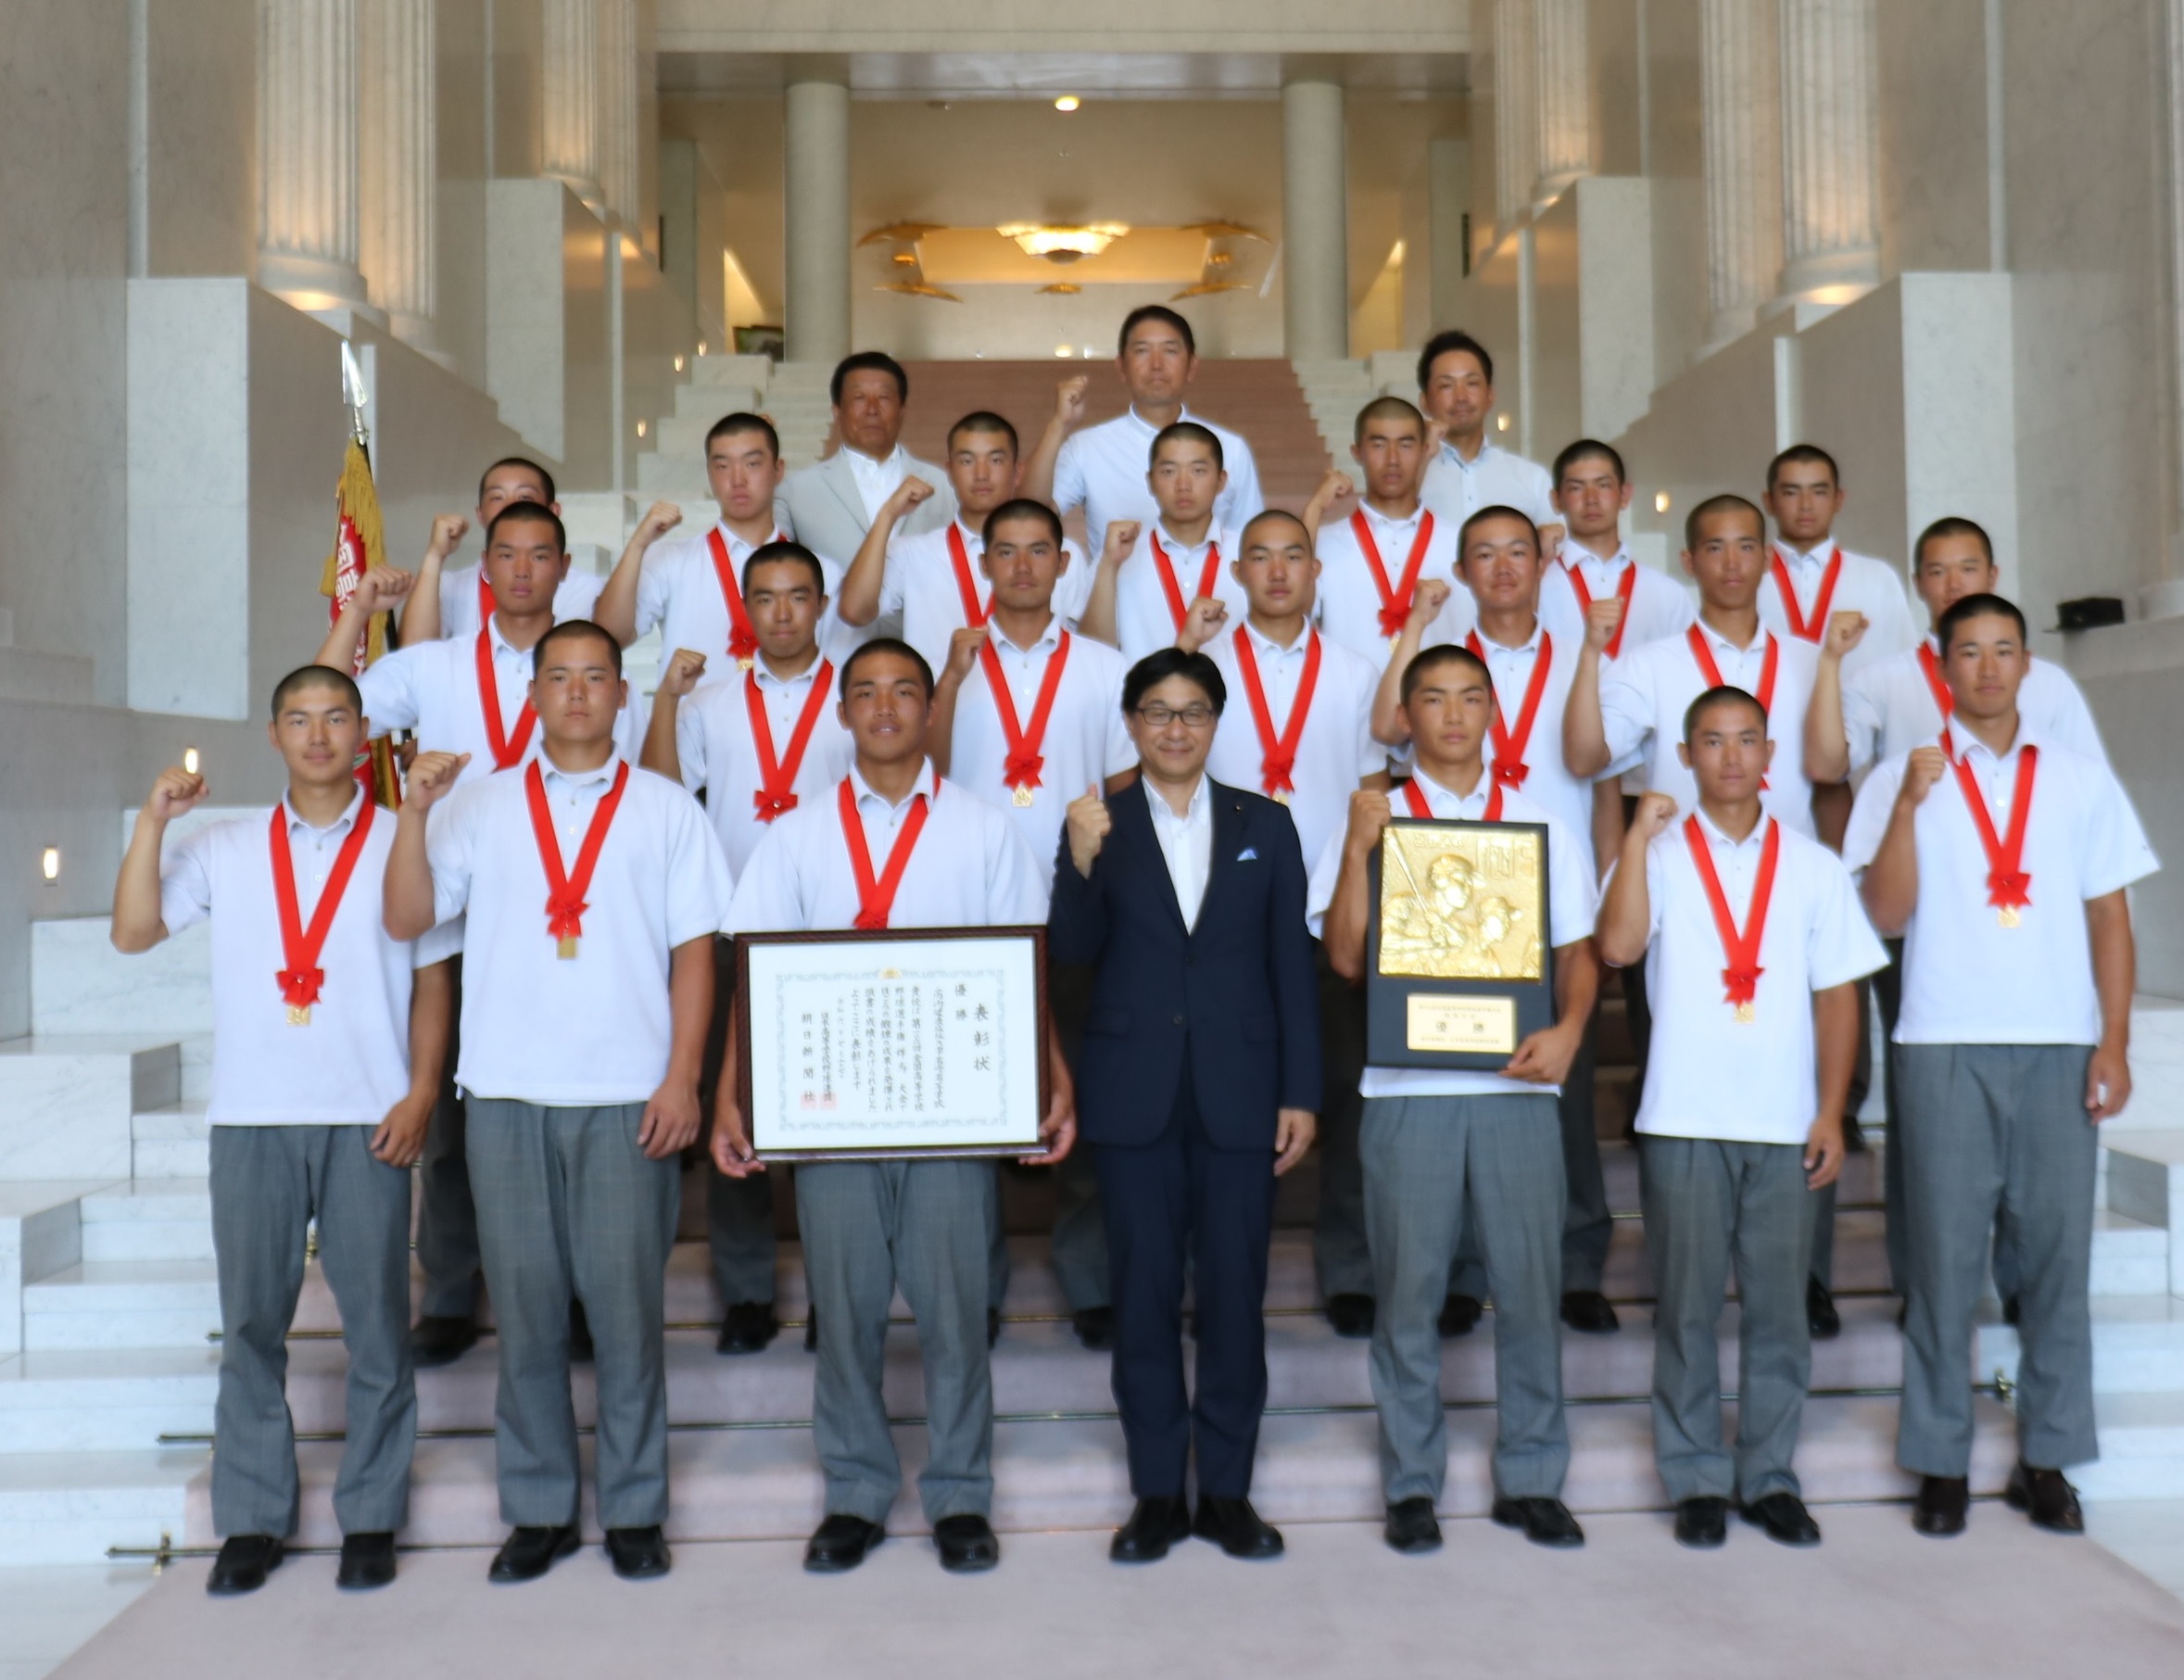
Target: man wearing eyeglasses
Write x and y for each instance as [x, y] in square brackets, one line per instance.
[1197, 1086]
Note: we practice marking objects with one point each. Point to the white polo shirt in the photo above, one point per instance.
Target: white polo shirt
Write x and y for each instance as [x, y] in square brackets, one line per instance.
[1144, 621]
[920, 584]
[1456, 488]
[594, 1029]
[578, 594]
[1349, 600]
[1864, 585]
[679, 592]
[1644, 694]
[1967, 979]
[1572, 902]
[1659, 606]
[716, 750]
[1708, 1075]
[1084, 741]
[971, 869]
[350, 1062]
[1103, 469]
[1336, 749]
[1548, 781]
[1889, 706]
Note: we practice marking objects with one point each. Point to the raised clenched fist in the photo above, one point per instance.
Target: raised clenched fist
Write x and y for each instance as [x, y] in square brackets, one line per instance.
[1655, 812]
[1087, 824]
[381, 587]
[963, 650]
[1426, 601]
[681, 673]
[1122, 537]
[1201, 624]
[431, 777]
[1069, 399]
[660, 518]
[1600, 622]
[1922, 770]
[1369, 812]
[175, 791]
[1845, 631]
[448, 529]
[911, 493]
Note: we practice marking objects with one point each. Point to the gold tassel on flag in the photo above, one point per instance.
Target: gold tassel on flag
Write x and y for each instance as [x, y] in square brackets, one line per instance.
[359, 543]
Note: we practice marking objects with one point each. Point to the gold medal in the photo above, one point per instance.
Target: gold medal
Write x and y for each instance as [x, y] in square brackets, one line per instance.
[299, 1015]
[1282, 796]
[2007, 916]
[1021, 797]
[745, 662]
[566, 947]
[1743, 1015]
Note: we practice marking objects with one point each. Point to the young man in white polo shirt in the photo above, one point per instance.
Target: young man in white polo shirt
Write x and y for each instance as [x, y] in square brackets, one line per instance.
[1101, 468]
[2002, 861]
[1299, 729]
[1468, 471]
[757, 747]
[453, 602]
[1378, 547]
[1595, 570]
[591, 892]
[1756, 942]
[327, 1041]
[1441, 1145]
[898, 846]
[1026, 715]
[930, 581]
[1152, 575]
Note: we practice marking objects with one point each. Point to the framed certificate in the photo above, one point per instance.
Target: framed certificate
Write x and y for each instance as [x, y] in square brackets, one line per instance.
[902, 1043]
[1460, 962]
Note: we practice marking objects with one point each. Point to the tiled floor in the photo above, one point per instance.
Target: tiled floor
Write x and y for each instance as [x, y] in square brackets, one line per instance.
[2146, 1534]
[47, 1614]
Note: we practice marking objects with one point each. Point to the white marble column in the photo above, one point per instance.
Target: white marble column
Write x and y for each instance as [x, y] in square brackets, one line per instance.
[307, 154]
[2165, 597]
[1740, 121]
[1562, 97]
[817, 212]
[569, 85]
[397, 166]
[1315, 221]
[617, 108]
[1516, 128]
[1831, 245]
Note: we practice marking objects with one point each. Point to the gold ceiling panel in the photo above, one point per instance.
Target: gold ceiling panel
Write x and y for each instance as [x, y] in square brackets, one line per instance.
[981, 257]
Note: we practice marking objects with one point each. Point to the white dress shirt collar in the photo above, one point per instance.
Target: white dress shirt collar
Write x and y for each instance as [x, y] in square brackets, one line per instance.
[1268, 648]
[1758, 641]
[767, 677]
[1815, 561]
[1392, 521]
[551, 771]
[1047, 640]
[1529, 645]
[1717, 836]
[1575, 554]
[340, 825]
[1448, 805]
[1455, 457]
[1963, 743]
[927, 782]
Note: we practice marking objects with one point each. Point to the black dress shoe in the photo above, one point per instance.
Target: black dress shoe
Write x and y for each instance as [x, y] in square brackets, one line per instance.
[747, 1327]
[1545, 1522]
[244, 1563]
[2047, 1497]
[1939, 1509]
[1094, 1327]
[2012, 1309]
[367, 1561]
[1587, 1309]
[1702, 1522]
[637, 1554]
[528, 1553]
[1352, 1316]
[441, 1341]
[993, 1325]
[1821, 1317]
[580, 1350]
[968, 1544]
[1153, 1526]
[1232, 1525]
[840, 1542]
[1459, 1316]
[1411, 1527]
[1785, 1519]
[811, 1330]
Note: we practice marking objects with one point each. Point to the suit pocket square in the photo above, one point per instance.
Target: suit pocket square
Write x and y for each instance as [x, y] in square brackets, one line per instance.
[1250, 854]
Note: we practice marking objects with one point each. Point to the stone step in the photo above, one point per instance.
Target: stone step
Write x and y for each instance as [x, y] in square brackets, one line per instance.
[65, 1100]
[152, 1218]
[41, 1233]
[172, 1143]
[69, 1507]
[2145, 1182]
[749, 372]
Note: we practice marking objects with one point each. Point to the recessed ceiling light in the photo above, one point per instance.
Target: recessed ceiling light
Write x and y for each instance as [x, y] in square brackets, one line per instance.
[1063, 350]
[49, 864]
[1067, 102]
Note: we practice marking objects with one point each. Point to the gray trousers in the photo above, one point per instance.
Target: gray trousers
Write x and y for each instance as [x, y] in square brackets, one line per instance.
[738, 1212]
[1341, 1256]
[568, 1207]
[1079, 1241]
[868, 1227]
[1707, 1203]
[268, 1183]
[1997, 1139]
[447, 1218]
[1422, 1158]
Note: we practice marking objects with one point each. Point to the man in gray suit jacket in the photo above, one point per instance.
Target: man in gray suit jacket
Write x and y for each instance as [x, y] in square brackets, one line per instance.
[833, 504]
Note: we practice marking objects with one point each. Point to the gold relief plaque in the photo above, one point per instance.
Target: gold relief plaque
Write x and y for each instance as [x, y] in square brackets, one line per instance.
[1462, 902]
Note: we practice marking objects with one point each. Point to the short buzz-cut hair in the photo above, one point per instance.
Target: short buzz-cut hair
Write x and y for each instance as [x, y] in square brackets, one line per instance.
[529, 512]
[1022, 507]
[1442, 654]
[1160, 664]
[1387, 408]
[1978, 606]
[1448, 344]
[576, 630]
[1186, 431]
[1243, 533]
[1725, 503]
[1585, 449]
[784, 553]
[318, 676]
[868, 361]
[735, 424]
[1804, 454]
[885, 644]
[985, 420]
[1166, 317]
[1495, 511]
[1721, 694]
[1952, 524]
[523, 464]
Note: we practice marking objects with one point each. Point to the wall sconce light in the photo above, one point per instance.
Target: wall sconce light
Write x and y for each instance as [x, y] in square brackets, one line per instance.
[641, 428]
[1063, 350]
[1501, 422]
[1067, 102]
[1660, 501]
[49, 864]
[702, 347]
[678, 365]
[189, 760]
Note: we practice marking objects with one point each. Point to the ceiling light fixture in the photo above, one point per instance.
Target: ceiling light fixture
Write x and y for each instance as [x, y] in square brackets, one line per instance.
[1067, 102]
[1062, 243]
[1660, 501]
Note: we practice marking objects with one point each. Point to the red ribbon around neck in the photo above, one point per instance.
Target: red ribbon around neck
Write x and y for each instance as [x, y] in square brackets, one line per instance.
[875, 897]
[1024, 762]
[1395, 599]
[1278, 752]
[565, 890]
[1741, 978]
[300, 946]
[776, 777]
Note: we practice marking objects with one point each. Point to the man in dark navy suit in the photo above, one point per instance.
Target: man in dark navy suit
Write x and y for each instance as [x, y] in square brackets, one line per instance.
[1195, 1087]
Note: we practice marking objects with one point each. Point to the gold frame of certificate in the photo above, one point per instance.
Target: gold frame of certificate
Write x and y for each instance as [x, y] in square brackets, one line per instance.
[1459, 960]
[903, 1044]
